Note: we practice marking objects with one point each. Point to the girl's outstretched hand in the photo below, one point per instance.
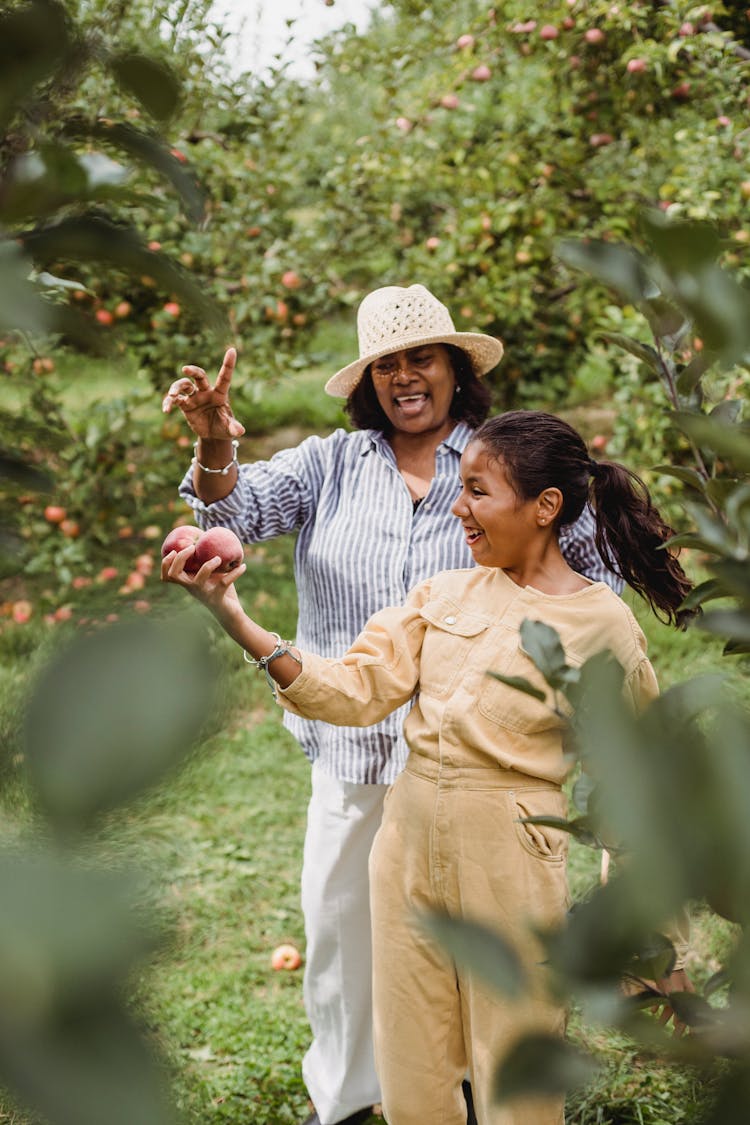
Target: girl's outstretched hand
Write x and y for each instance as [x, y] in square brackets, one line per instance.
[212, 588]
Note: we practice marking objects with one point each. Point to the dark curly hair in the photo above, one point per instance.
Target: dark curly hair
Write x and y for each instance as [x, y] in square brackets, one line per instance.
[541, 451]
[471, 405]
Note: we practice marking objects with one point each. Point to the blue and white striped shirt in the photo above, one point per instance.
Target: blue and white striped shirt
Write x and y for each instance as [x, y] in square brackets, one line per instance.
[361, 547]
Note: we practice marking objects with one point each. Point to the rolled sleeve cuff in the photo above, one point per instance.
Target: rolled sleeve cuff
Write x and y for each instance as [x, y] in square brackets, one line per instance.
[299, 698]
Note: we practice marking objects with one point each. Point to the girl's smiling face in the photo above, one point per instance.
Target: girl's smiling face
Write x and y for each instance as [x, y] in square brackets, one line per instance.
[499, 526]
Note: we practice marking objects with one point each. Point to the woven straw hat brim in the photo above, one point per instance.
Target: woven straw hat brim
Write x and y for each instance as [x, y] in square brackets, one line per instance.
[485, 352]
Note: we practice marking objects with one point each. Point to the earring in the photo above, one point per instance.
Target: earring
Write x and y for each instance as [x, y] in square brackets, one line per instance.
[457, 391]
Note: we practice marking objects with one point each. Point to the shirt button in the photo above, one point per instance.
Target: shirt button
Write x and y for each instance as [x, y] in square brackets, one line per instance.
[450, 620]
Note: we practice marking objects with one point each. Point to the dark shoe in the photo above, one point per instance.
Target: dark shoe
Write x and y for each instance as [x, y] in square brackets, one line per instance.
[353, 1119]
[471, 1118]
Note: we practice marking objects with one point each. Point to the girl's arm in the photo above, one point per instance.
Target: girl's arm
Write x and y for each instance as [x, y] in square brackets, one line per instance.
[216, 591]
[379, 673]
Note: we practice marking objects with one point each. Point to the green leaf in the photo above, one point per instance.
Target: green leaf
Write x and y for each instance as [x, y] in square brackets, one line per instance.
[692, 1009]
[681, 245]
[49, 281]
[732, 623]
[66, 934]
[542, 643]
[152, 82]
[718, 304]
[736, 648]
[21, 306]
[540, 1065]
[690, 376]
[34, 41]
[695, 542]
[583, 790]
[688, 476]
[734, 577]
[720, 489]
[615, 265]
[86, 1068]
[92, 237]
[520, 684]
[717, 981]
[704, 592]
[23, 474]
[111, 713]
[479, 949]
[654, 960]
[149, 150]
[644, 352]
[668, 323]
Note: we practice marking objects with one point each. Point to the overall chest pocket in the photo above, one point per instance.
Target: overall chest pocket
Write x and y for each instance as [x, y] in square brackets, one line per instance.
[513, 709]
[447, 644]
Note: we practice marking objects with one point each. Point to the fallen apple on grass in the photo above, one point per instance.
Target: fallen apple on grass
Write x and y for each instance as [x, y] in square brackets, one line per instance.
[285, 957]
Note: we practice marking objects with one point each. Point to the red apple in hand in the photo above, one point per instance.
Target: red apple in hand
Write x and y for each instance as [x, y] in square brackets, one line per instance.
[219, 541]
[178, 539]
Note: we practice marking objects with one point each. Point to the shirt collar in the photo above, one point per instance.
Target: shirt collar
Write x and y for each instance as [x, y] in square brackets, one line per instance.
[457, 439]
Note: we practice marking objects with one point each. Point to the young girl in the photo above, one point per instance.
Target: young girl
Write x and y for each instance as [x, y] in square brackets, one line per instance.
[483, 756]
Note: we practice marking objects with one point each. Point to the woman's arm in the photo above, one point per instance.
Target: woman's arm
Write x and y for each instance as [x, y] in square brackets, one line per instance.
[207, 411]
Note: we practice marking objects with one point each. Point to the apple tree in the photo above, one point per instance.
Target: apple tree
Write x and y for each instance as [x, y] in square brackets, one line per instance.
[481, 136]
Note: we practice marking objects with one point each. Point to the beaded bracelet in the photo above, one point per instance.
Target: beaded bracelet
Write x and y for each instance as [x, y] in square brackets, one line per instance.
[222, 472]
[281, 649]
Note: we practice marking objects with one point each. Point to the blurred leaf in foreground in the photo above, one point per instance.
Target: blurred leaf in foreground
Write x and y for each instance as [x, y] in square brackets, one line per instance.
[111, 713]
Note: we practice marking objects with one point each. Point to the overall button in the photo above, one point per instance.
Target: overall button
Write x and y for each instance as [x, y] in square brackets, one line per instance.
[450, 620]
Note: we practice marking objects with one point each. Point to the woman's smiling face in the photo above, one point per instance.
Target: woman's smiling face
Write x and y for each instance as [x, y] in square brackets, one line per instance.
[498, 524]
[415, 388]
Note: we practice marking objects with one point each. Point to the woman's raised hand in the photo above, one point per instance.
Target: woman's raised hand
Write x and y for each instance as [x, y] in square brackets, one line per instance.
[206, 408]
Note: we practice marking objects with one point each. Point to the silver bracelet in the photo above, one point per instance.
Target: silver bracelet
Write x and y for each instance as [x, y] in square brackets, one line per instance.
[281, 649]
[222, 472]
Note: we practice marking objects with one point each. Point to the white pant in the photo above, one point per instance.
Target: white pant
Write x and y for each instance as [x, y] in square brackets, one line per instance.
[339, 1068]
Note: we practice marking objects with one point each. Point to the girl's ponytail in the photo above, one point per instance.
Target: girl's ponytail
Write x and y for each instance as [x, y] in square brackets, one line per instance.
[631, 536]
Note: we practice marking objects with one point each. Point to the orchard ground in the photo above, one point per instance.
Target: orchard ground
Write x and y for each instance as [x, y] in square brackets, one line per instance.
[222, 843]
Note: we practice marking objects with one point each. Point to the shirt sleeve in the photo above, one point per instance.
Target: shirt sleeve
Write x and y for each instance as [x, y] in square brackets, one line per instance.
[641, 686]
[270, 498]
[579, 551]
[378, 674]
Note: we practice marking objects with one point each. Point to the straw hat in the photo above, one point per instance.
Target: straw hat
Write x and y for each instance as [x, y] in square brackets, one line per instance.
[393, 318]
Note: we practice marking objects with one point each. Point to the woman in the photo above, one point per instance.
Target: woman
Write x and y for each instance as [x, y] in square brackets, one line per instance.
[373, 511]
[452, 835]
